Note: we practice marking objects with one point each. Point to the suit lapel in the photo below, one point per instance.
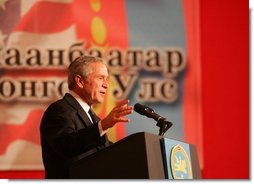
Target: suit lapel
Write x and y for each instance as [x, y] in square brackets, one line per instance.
[81, 113]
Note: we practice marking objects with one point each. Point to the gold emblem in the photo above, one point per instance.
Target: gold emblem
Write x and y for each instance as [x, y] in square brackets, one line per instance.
[180, 163]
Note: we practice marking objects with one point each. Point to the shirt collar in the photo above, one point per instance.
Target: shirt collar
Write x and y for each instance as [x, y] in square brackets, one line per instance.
[83, 104]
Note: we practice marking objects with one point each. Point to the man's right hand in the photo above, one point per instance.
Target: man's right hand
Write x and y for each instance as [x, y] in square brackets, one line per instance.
[117, 115]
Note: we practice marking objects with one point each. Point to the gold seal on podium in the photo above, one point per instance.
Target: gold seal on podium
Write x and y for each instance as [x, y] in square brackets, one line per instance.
[180, 163]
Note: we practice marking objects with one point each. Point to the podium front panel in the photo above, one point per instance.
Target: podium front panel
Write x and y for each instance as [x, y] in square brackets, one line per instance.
[179, 161]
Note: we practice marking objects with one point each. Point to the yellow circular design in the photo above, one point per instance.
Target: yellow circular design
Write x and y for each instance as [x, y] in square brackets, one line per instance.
[180, 163]
[95, 5]
[98, 30]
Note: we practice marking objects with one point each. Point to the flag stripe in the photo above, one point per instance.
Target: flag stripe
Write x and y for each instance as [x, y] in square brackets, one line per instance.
[46, 17]
[192, 85]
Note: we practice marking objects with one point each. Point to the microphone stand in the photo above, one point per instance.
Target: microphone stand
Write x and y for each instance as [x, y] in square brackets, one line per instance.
[164, 125]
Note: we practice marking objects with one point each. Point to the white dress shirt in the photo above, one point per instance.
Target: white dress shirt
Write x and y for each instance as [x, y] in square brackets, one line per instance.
[86, 108]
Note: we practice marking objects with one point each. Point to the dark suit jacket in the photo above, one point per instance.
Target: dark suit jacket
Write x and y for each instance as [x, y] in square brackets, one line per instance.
[67, 135]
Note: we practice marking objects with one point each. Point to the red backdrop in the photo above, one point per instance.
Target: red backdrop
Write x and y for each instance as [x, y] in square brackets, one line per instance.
[225, 91]
[225, 88]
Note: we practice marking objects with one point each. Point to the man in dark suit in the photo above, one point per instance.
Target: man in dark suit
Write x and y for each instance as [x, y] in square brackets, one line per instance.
[69, 128]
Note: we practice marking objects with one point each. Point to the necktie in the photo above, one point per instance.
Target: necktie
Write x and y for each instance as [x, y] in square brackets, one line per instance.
[93, 116]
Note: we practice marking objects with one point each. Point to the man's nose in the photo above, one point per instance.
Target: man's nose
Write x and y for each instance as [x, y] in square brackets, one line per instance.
[105, 84]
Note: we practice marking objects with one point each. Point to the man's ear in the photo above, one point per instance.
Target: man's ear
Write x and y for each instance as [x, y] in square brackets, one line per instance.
[79, 81]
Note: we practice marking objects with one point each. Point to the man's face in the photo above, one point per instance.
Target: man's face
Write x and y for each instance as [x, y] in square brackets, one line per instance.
[96, 85]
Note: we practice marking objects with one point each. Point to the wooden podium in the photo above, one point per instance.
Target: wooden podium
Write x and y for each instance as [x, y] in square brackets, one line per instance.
[138, 156]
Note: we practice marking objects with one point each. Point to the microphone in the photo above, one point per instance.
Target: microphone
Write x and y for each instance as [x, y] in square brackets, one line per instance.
[149, 112]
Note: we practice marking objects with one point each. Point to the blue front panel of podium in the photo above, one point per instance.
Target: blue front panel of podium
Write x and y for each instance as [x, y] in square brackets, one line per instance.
[177, 159]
